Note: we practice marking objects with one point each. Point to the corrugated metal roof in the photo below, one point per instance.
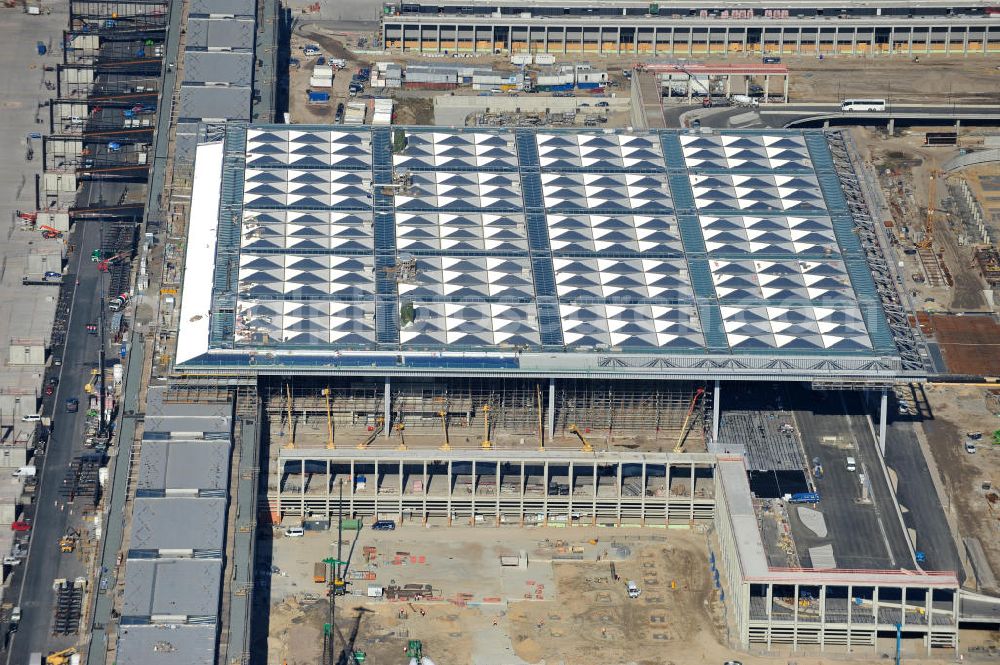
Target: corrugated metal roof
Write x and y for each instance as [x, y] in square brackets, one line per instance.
[234, 68]
[223, 7]
[174, 587]
[184, 465]
[178, 523]
[232, 33]
[166, 644]
[214, 103]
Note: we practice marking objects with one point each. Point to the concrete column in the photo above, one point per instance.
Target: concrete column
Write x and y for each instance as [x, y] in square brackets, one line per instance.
[552, 410]
[618, 492]
[892, 126]
[909, 42]
[958, 124]
[520, 491]
[475, 486]
[545, 39]
[545, 493]
[882, 418]
[822, 617]
[850, 608]
[387, 416]
[593, 507]
[725, 47]
[377, 484]
[691, 516]
[329, 488]
[854, 41]
[666, 493]
[439, 38]
[642, 478]
[715, 411]
[423, 515]
[302, 488]
[770, 606]
[729, 80]
[401, 488]
[350, 494]
[795, 619]
[798, 47]
[875, 612]
[497, 490]
[785, 93]
[767, 86]
[451, 482]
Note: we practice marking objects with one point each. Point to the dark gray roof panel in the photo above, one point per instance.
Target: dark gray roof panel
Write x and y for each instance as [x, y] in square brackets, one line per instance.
[166, 644]
[174, 587]
[222, 7]
[234, 68]
[220, 33]
[214, 102]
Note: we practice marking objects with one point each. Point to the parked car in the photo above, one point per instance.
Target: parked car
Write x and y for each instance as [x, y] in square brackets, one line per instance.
[384, 525]
[294, 532]
[72, 405]
[970, 447]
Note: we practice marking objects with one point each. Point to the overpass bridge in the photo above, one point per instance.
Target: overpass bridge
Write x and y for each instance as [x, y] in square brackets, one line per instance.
[826, 115]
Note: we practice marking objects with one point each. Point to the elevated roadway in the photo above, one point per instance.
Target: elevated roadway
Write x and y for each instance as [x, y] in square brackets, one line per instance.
[824, 115]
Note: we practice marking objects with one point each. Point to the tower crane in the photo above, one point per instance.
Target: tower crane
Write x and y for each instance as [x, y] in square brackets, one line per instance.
[687, 420]
[928, 238]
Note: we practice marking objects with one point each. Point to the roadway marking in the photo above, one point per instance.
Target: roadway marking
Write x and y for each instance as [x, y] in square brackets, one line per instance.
[55, 407]
[878, 513]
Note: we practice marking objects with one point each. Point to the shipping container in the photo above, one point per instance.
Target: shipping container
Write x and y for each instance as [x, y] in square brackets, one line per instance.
[320, 82]
[319, 97]
[319, 573]
[429, 86]
[562, 87]
[544, 58]
[521, 59]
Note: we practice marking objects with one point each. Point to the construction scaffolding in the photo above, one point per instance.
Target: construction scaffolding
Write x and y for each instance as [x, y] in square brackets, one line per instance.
[522, 409]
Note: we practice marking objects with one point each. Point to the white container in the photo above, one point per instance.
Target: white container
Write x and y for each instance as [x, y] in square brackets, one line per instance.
[544, 58]
[320, 82]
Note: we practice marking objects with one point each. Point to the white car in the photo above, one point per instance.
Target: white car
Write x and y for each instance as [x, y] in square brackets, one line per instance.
[633, 589]
[970, 447]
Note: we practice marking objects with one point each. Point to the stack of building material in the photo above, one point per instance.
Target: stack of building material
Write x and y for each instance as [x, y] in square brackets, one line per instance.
[355, 113]
[381, 111]
[322, 77]
[487, 79]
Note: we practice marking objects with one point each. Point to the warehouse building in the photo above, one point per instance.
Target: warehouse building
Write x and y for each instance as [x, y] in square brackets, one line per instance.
[697, 28]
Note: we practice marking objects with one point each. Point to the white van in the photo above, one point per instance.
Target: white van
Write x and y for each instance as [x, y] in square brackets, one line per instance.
[31, 418]
[25, 472]
[294, 532]
[633, 589]
[852, 465]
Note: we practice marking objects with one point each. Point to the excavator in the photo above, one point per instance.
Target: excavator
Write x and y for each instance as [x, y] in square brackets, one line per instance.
[104, 264]
[587, 448]
[64, 657]
[679, 448]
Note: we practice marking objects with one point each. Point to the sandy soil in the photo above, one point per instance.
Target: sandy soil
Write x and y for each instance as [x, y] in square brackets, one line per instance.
[958, 410]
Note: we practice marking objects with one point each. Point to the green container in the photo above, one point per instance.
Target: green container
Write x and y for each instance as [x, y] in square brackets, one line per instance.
[654, 8]
[350, 525]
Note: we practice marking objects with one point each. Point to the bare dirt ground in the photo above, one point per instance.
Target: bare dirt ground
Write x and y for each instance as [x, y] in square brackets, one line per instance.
[958, 410]
[556, 611]
[915, 165]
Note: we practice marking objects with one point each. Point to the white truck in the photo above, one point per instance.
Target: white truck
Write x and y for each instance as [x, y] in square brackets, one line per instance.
[745, 100]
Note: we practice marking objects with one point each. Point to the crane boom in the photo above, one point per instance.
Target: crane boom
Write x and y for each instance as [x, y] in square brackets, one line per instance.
[687, 420]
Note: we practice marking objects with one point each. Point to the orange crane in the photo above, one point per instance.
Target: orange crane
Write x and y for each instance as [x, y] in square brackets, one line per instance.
[103, 264]
[928, 238]
[48, 232]
[687, 420]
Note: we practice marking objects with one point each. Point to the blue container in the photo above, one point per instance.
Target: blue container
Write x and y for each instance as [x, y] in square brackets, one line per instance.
[42, 49]
[805, 497]
[319, 97]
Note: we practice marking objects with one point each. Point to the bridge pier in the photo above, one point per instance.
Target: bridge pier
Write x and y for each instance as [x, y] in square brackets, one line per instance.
[958, 124]
[892, 126]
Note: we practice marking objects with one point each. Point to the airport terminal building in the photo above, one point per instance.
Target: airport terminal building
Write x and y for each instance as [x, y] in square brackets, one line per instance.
[518, 327]
[697, 28]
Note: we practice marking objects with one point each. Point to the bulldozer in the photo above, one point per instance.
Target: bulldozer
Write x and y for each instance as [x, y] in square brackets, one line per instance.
[64, 657]
[67, 544]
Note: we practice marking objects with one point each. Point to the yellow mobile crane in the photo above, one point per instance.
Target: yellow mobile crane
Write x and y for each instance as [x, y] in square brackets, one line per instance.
[928, 238]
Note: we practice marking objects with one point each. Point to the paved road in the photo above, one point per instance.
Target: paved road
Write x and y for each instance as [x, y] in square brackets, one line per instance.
[916, 494]
[864, 535]
[779, 115]
[44, 563]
